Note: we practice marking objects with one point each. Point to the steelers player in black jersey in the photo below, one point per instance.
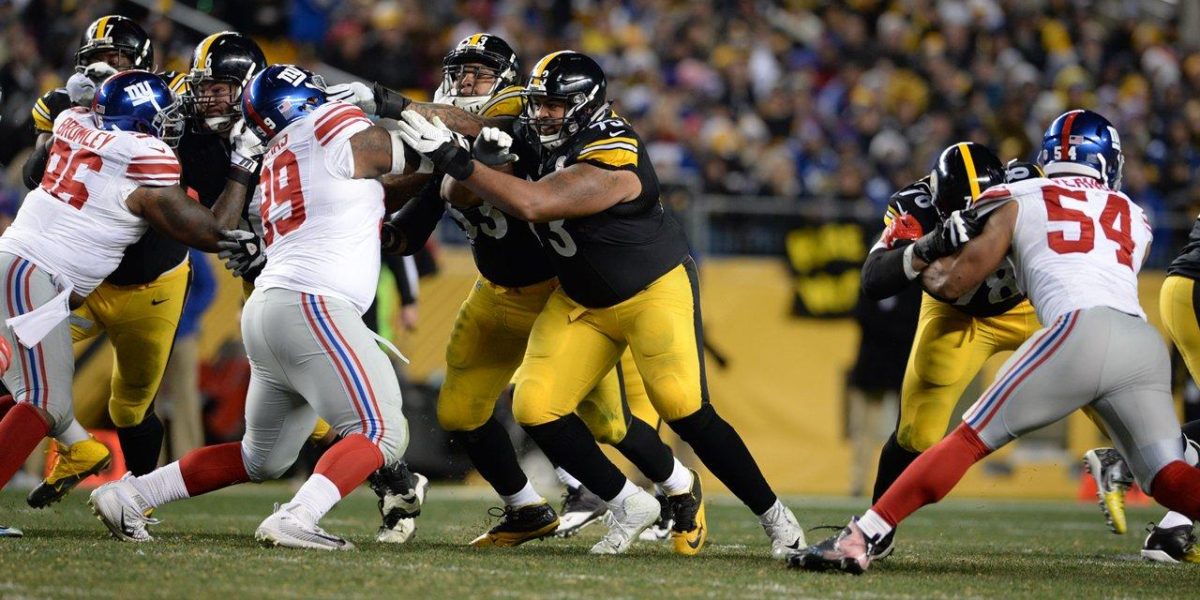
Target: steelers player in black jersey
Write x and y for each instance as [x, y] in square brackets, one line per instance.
[139, 304]
[954, 337]
[626, 280]
[492, 328]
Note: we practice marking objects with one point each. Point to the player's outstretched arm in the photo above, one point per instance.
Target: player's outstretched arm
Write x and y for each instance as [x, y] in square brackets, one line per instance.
[378, 152]
[169, 210]
[952, 276]
[383, 102]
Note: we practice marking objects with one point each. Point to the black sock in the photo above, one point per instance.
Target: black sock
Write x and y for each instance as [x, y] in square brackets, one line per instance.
[492, 453]
[642, 446]
[568, 444]
[722, 450]
[142, 443]
[893, 459]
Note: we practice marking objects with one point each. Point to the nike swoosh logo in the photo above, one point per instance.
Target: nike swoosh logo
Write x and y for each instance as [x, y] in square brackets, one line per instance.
[794, 545]
[695, 544]
[157, 302]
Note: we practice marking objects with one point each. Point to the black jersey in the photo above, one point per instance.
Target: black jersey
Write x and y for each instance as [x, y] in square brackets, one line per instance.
[997, 294]
[48, 107]
[608, 257]
[1187, 264]
[506, 251]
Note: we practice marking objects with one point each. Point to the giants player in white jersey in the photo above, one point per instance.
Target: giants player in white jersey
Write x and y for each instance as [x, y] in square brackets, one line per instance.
[310, 352]
[1077, 244]
[110, 173]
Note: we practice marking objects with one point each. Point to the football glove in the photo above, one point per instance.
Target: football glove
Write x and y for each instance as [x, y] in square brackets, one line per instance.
[948, 236]
[246, 149]
[446, 150]
[242, 252]
[903, 230]
[355, 92]
[493, 147]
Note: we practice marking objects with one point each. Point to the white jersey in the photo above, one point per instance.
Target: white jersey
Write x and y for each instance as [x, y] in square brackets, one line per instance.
[320, 225]
[75, 224]
[1076, 244]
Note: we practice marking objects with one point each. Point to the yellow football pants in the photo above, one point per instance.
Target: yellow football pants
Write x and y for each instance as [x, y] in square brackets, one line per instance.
[140, 321]
[572, 347]
[486, 347]
[949, 349]
[1177, 304]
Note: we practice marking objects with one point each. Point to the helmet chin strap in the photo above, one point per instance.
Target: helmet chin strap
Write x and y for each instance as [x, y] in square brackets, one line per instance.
[218, 123]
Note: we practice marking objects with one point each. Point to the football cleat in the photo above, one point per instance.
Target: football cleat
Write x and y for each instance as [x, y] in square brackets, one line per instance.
[288, 526]
[884, 547]
[690, 528]
[580, 508]
[71, 465]
[123, 510]
[519, 524]
[401, 495]
[1170, 544]
[848, 551]
[636, 513]
[10, 532]
[1113, 479]
[661, 529]
[787, 537]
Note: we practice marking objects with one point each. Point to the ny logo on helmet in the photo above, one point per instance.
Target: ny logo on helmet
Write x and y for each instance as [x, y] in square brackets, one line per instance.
[141, 93]
[293, 76]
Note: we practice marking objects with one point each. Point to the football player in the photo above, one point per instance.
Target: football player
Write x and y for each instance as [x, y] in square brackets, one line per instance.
[954, 338]
[491, 333]
[140, 302]
[111, 173]
[310, 352]
[625, 280]
[1077, 244]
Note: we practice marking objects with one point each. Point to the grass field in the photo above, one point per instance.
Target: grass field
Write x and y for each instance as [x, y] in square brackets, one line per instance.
[205, 548]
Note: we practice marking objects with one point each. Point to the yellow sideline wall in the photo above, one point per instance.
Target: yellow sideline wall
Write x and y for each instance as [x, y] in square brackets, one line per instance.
[782, 389]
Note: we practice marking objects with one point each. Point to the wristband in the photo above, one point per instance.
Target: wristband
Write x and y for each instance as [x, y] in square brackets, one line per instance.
[389, 104]
[240, 175]
[907, 262]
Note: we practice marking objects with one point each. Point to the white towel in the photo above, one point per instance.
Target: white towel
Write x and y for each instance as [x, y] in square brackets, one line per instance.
[32, 326]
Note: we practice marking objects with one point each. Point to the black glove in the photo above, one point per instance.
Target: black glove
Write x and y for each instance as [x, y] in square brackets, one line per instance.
[242, 252]
[948, 236]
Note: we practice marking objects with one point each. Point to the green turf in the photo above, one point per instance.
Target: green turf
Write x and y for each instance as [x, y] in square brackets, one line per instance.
[205, 547]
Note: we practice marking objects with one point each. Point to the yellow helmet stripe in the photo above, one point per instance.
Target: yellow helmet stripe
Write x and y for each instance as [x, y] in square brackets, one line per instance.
[202, 55]
[541, 64]
[970, 164]
[100, 27]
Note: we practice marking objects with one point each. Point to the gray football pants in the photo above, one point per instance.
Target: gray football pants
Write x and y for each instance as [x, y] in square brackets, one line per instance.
[312, 356]
[1099, 357]
[40, 375]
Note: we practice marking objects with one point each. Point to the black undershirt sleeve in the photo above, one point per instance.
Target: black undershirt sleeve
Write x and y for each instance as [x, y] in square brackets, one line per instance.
[883, 274]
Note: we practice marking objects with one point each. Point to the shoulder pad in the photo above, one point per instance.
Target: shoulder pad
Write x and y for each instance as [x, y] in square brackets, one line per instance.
[1019, 170]
[609, 143]
[506, 103]
[48, 107]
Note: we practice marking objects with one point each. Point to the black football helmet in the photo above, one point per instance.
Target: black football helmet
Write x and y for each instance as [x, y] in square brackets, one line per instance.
[569, 77]
[962, 173]
[498, 58]
[1020, 170]
[226, 57]
[114, 32]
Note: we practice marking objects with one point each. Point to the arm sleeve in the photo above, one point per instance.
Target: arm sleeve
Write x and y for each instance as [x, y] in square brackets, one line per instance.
[35, 166]
[883, 274]
[417, 219]
[405, 270]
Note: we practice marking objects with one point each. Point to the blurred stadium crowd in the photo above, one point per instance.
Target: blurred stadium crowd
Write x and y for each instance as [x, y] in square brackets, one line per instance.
[795, 99]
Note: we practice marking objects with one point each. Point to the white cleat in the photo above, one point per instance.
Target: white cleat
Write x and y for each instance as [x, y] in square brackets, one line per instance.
[787, 537]
[289, 527]
[400, 512]
[635, 514]
[123, 510]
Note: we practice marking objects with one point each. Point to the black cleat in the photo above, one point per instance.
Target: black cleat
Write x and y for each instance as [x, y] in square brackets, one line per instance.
[884, 547]
[1171, 545]
[661, 529]
[849, 552]
[580, 508]
[690, 527]
[518, 525]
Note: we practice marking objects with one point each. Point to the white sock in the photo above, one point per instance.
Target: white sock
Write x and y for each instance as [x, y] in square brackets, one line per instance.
[616, 504]
[567, 479]
[873, 526]
[772, 514]
[317, 496]
[525, 497]
[73, 434]
[161, 486]
[1174, 519]
[680, 481]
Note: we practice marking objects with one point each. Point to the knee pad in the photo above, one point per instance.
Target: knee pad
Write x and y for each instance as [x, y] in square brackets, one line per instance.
[914, 438]
[457, 413]
[127, 414]
[532, 403]
[605, 427]
[692, 426]
[264, 467]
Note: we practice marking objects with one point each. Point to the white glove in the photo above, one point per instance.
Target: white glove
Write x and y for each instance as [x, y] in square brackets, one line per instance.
[493, 147]
[422, 135]
[81, 90]
[246, 148]
[356, 93]
[242, 252]
[959, 229]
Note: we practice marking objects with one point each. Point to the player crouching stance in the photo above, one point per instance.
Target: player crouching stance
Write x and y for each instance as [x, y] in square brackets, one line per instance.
[310, 353]
[1077, 244]
[111, 172]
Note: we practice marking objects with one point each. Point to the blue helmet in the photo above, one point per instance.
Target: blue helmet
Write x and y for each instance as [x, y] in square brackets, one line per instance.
[139, 101]
[280, 95]
[1082, 142]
